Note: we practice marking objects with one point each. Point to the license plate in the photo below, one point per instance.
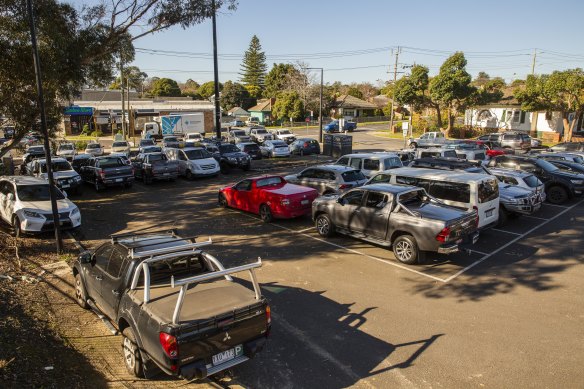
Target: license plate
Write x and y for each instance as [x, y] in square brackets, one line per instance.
[489, 212]
[119, 179]
[227, 355]
[304, 202]
[166, 174]
[65, 186]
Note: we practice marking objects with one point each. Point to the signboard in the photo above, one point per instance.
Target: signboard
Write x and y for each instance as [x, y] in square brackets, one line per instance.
[405, 128]
[307, 120]
[78, 111]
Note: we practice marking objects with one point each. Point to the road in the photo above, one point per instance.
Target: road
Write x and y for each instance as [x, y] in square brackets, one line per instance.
[346, 313]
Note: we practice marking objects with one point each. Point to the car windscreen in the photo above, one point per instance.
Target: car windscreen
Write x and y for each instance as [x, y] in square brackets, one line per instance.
[532, 181]
[36, 150]
[146, 142]
[547, 166]
[251, 147]
[229, 148]
[157, 157]
[36, 193]
[353, 175]
[93, 146]
[170, 139]
[59, 166]
[110, 162]
[285, 132]
[66, 147]
[388, 163]
[488, 191]
[152, 149]
[269, 181]
[197, 154]
[238, 133]
[261, 132]
[120, 144]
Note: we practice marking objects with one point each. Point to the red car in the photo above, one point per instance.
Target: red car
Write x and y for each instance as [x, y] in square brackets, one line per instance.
[269, 196]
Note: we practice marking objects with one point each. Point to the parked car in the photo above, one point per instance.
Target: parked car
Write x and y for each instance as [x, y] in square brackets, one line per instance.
[64, 176]
[304, 146]
[107, 171]
[94, 149]
[260, 135]
[178, 309]
[252, 121]
[275, 148]
[571, 167]
[284, 134]
[32, 152]
[66, 150]
[560, 185]
[229, 157]
[25, 205]
[370, 163]
[121, 147]
[328, 179]
[333, 126]
[79, 161]
[435, 152]
[520, 178]
[514, 140]
[269, 196]
[251, 149]
[172, 142]
[194, 162]
[154, 167]
[403, 217]
[568, 146]
[429, 139]
[146, 143]
[237, 123]
[238, 136]
[569, 157]
[8, 132]
[193, 137]
[466, 149]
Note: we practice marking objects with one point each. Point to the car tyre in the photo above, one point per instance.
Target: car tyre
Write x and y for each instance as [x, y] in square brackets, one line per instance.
[222, 200]
[16, 229]
[324, 225]
[80, 292]
[224, 168]
[266, 213]
[557, 195]
[405, 249]
[132, 356]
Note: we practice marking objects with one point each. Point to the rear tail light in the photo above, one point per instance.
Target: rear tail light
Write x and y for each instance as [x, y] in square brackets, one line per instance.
[305, 144]
[443, 235]
[101, 174]
[268, 315]
[169, 344]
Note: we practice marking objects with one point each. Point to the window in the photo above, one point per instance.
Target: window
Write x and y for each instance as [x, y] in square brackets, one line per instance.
[450, 153]
[356, 163]
[515, 117]
[352, 176]
[243, 185]
[532, 181]
[371, 164]
[406, 180]
[488, 191]
[376, 200]
[508, 180]
[381, 178]
[452, 191]
[548, 115]
[344, 161]
[102, 256]
[115, 263]
[181, 155]
[522, 118]
[354, 197]
[392, 162]
[308, 173]
[268, 181]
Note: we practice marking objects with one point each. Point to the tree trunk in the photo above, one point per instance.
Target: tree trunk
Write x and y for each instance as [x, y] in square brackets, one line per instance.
[569, 127]
[439, 116]
[566, 125]
[450, 120]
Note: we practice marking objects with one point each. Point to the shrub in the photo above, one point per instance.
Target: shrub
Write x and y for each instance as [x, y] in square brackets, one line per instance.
[96, 133]
[80, 145]
[85, 130]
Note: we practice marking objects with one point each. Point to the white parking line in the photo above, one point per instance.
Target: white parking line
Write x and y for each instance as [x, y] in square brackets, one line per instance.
[510, 243]
[506, 232]
[556, 205]
[534, 217]
[476, 251]
[305, 229]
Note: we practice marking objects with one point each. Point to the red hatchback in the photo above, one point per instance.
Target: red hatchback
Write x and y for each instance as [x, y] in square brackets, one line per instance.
[269, 196]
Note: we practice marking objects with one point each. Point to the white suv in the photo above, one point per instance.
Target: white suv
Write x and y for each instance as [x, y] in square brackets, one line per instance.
[25, 204]
[371, 163]
[194, 162]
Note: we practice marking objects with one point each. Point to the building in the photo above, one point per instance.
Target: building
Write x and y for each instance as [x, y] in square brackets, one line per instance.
[237, 112]
[263, 110]
[350, 107]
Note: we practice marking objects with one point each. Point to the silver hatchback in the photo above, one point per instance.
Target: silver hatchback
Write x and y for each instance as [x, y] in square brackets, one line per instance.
[328, 179]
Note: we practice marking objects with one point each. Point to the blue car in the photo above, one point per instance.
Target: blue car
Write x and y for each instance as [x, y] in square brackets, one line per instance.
[334, 126]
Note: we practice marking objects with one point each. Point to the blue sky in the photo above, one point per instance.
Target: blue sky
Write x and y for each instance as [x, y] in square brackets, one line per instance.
[498, 37]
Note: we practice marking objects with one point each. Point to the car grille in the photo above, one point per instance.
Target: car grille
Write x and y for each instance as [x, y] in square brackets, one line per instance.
[62, 215]
[207, 167]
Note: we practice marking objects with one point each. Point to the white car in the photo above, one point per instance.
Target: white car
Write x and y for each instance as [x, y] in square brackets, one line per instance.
[193, 137]
[65, 177]
[25, 205]
[193, 162]
[284, 134]
[520, 178]
[94, 149]
[66, 150]
[275, 148]
[121, 147]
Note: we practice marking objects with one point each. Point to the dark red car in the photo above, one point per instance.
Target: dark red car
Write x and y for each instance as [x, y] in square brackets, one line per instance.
[269, 196]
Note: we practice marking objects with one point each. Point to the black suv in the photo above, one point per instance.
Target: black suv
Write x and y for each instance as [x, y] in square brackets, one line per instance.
[230, 156]
[560, 185]
[251, 149]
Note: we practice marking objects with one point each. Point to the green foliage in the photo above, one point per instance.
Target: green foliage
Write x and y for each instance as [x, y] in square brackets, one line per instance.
[80, 145]
[132, 76]
[85, 130]
[278, 78]
[96, 133]
[165, 87]
[235, 95]
[208, 89]
[253, 68]
[288, 105]
[355, 92]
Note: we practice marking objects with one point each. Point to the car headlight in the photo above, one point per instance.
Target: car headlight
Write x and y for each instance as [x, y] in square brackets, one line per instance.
[32, 214]
[75, 211]
[77, 178]
[577, 182]
[232, 159]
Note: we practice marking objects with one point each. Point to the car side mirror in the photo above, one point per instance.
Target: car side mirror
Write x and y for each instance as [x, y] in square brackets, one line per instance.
[10, 196]
[85, 257]
[341, 201]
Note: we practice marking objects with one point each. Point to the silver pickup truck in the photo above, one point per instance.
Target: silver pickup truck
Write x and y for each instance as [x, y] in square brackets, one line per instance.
[401, 216]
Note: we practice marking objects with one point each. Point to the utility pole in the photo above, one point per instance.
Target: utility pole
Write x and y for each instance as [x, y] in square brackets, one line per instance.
[41, 101]
[533, 62]
[393, 89]
[127, 136]
[122, 90]
[216, 75]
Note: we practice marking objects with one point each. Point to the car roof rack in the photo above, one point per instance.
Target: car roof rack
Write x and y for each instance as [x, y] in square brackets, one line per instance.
[141, 232]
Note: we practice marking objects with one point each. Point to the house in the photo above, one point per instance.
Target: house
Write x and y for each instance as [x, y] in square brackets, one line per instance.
[351, 107]
[237, 112]
[263, 110]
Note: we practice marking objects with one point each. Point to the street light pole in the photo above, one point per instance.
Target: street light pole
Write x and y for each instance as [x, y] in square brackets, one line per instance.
[320, 107]
[41, 101]
[216, 76]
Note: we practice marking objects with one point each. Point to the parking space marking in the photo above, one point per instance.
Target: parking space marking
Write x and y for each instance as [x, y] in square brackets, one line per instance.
[534, 217]
[505, 232]
[476, 251]
[305, 229]
[484, 258]
[556, 205]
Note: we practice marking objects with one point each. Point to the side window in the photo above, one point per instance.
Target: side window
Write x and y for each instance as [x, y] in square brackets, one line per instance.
[452, 191]
[244, 185]
[115, 263]
[406, 180]
[102, 256]
[182, 156]
[376, 200]
[354, 197]
[343, 161]
[3, 188]
[309, 173]
[526, 166]
[371, 164]
[386, 178]
[356, 163]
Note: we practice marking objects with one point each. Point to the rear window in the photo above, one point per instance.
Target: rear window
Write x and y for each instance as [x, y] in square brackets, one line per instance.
[532, 181]
[269, 181]
[111, 162]
[251, 147]
[389, 163]
[488, 191]
[450, 153]
[371, 164]
[452, 191]
[352, 176]
[511, 137]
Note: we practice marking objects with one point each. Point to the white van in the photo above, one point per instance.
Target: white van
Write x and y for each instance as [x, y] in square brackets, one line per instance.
[459, 189]
[371, 163]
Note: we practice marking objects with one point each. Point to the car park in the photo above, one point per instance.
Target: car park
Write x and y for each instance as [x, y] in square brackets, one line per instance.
[260, 135]
[403, 217]
[459, 189]
[250, 148]
[370, 163]
[560, 185]
[25, 205]
[275, 148]
[94, 149]
[284, 134]
[172, 142]
[66, 150]
[32, 153]
[120, 147]
[177, 307]
[154, 167]
[304, 146]
[107, 171]
[64, 176]
[238, 136]
[229, 156]
[272, 197]
[194, 162]
[328, 179]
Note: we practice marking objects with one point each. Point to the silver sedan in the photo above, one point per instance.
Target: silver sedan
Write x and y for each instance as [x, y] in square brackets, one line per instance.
[275, 148]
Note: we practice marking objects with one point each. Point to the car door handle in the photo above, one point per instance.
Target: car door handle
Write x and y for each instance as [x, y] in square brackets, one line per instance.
[99, 278]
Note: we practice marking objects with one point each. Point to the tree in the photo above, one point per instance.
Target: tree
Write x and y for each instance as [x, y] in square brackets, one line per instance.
[277, 80]
[132, 76]
[235, 95]
[165, 87]
[253, 68]
[561, 91]
[414, 91]
[208, 89]
[355, 92]
[288, 105]
[77, 47]
[452, 88]
[190, 88]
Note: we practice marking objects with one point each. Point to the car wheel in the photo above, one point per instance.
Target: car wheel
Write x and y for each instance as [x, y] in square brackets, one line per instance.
[266, 213]
[557, 195]
[224, 168]
[16, 229]
[132, 356]
[80, 293]
[413, 145]
[189, 175]
[222, 200]
[324, 225]
[405, 249]
[503, 217]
